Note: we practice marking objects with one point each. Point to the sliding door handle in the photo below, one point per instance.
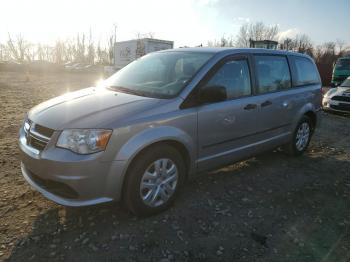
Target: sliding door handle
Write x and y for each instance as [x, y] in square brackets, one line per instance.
[250, 107]
[266, 103]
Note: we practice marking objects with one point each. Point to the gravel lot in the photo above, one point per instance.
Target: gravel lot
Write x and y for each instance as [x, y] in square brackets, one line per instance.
[268, 208]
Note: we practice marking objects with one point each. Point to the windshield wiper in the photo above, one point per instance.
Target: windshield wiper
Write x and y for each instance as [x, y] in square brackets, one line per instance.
[128, 91]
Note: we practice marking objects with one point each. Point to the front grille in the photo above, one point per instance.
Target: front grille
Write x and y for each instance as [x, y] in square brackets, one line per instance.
[43, 130]
[38, 136]
[36, 143]
[54, 187]
[341, 98]
[341, 107]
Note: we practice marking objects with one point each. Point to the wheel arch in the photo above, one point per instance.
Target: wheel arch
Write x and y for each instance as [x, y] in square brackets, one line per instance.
[308, 110]
[313, 118]
[168, 135]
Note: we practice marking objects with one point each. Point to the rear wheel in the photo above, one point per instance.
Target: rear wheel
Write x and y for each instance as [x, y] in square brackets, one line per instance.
[153, 180]
[301, 137]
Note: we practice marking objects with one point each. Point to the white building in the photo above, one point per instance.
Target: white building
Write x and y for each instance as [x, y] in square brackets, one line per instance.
[127, 51]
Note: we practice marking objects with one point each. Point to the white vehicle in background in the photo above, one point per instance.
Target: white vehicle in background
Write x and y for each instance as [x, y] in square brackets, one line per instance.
[127, 51]
[338, 99]
[71, 66]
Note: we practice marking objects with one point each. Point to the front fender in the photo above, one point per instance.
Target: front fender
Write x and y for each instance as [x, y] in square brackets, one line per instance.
[153, 135]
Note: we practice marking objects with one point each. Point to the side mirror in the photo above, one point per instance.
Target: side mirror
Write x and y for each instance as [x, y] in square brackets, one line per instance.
[212, 94]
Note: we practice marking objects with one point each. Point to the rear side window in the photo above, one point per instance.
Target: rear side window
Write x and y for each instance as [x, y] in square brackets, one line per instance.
[272, 73]
[306, 72]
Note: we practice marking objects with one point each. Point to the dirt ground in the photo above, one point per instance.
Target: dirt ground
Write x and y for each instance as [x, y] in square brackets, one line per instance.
[268, 208]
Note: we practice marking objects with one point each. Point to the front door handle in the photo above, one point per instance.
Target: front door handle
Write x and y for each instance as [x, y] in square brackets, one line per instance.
[266, 103]
[250, 107]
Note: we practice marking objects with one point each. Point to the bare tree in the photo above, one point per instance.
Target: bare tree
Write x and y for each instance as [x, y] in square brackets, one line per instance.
[326, 53]
[101, 55]
[287, 44]
[110, 50]
[302, 44]
[243, 36]
[223, 42]
[17, 48]
[255, 31]
[330, 47]
[340, 45]
[4, 54]
[80, 48]
[59, 52]
[91, 50]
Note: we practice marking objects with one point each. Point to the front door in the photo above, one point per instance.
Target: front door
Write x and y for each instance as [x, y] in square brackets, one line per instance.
[226, 129]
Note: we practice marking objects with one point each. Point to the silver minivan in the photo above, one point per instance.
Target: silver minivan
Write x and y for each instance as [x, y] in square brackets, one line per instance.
[165, 118]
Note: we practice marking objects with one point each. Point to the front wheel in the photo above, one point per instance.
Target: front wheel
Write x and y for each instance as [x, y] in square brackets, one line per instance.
[153, 180]
[301, 137]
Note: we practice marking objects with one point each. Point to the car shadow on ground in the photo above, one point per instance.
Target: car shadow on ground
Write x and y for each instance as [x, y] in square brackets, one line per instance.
[271, 207]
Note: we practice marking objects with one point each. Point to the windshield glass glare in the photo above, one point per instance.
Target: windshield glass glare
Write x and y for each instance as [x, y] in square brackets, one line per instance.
[161, 75]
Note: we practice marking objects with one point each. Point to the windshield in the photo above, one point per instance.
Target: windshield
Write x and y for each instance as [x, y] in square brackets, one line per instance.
[161, 75]
[343, 64]
[346, 83]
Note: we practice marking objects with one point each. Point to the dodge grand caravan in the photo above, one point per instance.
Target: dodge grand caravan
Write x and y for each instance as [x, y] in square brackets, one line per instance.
[164, 118]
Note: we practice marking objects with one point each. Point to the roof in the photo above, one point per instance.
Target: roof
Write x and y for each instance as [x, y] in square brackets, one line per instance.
[231, 50]
[264, 41]
[146, 39]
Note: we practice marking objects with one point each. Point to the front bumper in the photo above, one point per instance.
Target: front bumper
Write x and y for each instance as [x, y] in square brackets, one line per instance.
[70, 179]
[336, 106]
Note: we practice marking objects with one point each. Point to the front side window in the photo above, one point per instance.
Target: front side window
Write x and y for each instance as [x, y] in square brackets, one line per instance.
[161, 75]
[234, 76]
[272, 73]
[306, 71]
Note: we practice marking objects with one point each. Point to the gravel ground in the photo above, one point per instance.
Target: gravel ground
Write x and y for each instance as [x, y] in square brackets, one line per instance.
[268, 208]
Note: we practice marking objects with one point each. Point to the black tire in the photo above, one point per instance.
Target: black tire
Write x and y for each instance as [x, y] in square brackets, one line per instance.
[131, 193]
[291, 148]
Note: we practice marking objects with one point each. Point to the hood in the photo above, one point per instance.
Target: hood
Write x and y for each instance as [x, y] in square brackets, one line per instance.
[342, 89]
[89, 108]
[339, 91]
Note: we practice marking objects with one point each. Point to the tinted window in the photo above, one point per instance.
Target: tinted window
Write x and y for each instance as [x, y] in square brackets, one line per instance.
[306, 72]
[343, 64]
[273, 73]
[235, 77]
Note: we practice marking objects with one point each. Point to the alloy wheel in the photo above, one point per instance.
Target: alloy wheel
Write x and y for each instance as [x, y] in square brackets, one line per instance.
[159, 182]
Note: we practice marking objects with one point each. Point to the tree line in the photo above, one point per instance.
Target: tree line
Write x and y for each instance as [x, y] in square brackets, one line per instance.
[84, 49]
[326, 53]
[81, 48]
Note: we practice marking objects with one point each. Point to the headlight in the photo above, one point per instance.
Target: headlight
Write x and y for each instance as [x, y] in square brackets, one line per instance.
[26, 125]
[84, 141]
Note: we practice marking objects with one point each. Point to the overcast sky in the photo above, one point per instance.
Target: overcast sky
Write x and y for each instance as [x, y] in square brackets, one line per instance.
[187, 22]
